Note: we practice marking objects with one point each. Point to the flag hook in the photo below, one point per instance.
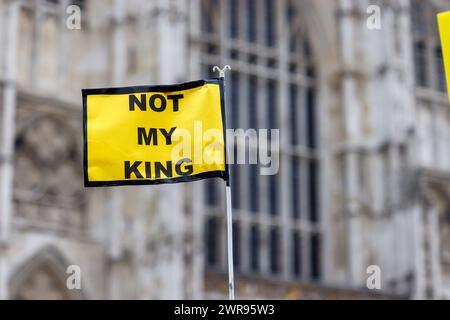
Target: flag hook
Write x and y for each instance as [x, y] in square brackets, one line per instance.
[221, 71]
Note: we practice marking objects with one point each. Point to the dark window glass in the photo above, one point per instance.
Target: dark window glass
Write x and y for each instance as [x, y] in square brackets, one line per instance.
[313, 212]
[306, 48]
[441, 83]
[211, 192]
[234, 54]
[274, 251]
[270, 22]
[80, 3]
[446, 215]
[296, 254]
[254, 188]
[311, 118]
[308, 55]
[252, 58]
[254, 248]
[271, 107]
[252, 109]
[311, 72]
[212, 241]
[293, 37]
[419, 21]
[251, 20]
[235, 181]
[211, 49]
[233, 7]
[315, 256]
[293, 44]
[293, 67]
[295, 167]
[290, 11]
[293, 114]
[271, 63]
[236, 245]
[234, 101]
[420, 63]
[273, 194]
[207, 23]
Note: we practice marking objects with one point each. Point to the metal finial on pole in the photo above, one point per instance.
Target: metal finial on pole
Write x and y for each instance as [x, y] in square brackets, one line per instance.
[221, 71]
[229, 211]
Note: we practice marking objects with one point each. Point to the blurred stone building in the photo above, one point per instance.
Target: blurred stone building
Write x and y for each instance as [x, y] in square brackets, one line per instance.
[364, 152]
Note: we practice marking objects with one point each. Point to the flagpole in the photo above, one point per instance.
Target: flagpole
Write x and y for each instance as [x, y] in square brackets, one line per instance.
[230, 241]
[229, 206]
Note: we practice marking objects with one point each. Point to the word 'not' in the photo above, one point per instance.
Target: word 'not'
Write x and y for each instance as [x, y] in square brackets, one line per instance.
[157, 102]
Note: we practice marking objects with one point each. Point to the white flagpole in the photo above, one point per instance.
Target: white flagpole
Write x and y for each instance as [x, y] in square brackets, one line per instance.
[230, 242]
[229, 208]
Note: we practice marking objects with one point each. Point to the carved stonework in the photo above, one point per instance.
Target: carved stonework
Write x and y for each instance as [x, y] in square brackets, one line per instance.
[41, 285]
[48, 168]
[43, 276]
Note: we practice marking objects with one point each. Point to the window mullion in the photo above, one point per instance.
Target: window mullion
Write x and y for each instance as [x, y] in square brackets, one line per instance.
[223, 27]
[284, 174]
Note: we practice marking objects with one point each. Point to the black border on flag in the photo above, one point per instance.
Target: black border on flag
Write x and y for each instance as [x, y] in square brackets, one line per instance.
[154, 88]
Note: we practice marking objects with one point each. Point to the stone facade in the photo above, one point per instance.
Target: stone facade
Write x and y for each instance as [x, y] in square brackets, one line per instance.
[383, 151]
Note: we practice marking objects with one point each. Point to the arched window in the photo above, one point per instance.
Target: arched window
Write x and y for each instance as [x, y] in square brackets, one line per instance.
[433, 113]
[429, 72]
[271, 86]
[433, 123]
[43, 276]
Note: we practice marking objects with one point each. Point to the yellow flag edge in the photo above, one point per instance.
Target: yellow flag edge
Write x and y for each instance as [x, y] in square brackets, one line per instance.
[444, 31]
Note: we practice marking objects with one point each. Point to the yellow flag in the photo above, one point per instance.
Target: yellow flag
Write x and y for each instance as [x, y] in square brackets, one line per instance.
[444, 30]
[154, 134]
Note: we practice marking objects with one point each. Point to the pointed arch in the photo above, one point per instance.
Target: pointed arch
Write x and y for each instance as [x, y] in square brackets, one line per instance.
[43, 276]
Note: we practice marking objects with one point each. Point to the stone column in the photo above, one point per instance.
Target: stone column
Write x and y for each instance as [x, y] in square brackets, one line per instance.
[419, 259]
[285, 170]
[10, 12]
[435, 252]
[351, 120]
[114, 207]
[172, 65]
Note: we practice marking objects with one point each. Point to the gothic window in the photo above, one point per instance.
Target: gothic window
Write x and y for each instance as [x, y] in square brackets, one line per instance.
[47, 44]
[429, 71]
[431, 89]
[48, 189]
[271, 86]
[43, 276]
